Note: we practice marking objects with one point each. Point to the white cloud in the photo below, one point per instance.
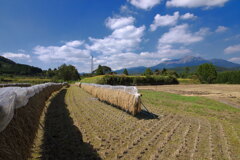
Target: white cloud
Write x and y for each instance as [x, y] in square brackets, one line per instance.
[148, 59]
[235, 37]
[130, 59]
[169, 20]
[72, 51]
[181, 34]
[124, 9]
[124, 38]
[235, 59]
[16, 55]
[75, 43]
[188, 16]
[166, 52]
[232, 49]
[119, 22]
[165, 20]
[196, 3]
[221, 29]
[145, 4]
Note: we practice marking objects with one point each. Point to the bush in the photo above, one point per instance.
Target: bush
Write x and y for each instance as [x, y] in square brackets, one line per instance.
[138, 80]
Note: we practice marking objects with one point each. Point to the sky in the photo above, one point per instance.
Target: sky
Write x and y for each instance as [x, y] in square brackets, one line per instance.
[117, 33]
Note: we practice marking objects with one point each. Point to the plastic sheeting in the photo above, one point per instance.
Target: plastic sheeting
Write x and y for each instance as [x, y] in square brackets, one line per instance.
[15, 85]
[7, 102]
[15, 97]
[129, 89]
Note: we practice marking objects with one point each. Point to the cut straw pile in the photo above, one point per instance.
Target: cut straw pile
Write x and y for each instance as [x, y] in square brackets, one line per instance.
[124, 97]
[19, 128]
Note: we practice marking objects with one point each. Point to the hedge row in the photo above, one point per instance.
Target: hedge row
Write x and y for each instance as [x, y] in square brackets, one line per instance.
[137, 80]
[229, 77]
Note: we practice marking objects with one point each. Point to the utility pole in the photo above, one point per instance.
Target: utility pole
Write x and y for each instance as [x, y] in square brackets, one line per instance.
[91, 63]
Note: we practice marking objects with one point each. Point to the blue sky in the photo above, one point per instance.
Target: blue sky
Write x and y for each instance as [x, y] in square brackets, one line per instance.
[118, 33]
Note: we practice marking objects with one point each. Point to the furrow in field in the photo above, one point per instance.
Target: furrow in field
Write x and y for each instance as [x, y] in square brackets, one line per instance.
[183, 143]
[145, 137]
[210, 139]
[161, 144]
[225, 144]
[85, 121]
[196, 140]
[218, 152]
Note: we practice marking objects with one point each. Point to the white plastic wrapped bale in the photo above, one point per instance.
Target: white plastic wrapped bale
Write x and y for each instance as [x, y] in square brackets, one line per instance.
[20, 110]
[15, 85]
[125, 97]
[7, 103]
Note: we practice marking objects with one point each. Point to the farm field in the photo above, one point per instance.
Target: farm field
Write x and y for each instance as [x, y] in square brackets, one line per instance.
[78, 126]
[228, 94]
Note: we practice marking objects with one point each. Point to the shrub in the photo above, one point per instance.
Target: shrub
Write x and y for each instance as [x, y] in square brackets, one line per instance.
[230, 77]
[138, 80]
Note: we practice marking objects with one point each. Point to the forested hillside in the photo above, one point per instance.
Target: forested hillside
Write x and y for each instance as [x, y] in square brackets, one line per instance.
[8, 66]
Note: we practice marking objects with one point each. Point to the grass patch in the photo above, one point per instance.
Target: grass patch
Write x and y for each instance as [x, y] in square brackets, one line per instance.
[188, 81]
[95, 79]
[196, 106]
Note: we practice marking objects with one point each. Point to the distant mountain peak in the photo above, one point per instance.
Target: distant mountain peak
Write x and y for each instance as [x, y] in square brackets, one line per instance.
[187, 61]
[191, 58]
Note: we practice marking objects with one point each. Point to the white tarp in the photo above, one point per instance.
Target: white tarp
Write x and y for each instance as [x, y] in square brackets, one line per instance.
[129, 89]
[15, 97]
[15, 85]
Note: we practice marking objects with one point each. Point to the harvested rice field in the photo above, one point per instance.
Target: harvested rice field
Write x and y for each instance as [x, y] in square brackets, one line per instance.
[225, 93]
[75, 125]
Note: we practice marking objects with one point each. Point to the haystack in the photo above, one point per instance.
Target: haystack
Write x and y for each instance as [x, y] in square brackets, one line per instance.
[16, 139]
[124, 97]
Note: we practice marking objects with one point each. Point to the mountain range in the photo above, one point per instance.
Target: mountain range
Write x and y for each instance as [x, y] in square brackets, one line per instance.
[187, 61]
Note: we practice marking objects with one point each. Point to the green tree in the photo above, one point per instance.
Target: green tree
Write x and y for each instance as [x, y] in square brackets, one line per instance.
[125, 71]
[106, 69]
[207, 73]
[99, 70]
[187, 70]
[172, 73]
[51, 73]
[148, 72]
[67, 73]
[164, 71]
[157, 72]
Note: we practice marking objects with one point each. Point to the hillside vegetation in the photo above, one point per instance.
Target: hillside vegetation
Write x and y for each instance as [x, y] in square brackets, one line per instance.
[131, 80]
[230, 77]
[10, 67]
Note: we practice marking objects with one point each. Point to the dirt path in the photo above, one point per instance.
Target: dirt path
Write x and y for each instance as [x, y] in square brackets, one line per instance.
[77, 126]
